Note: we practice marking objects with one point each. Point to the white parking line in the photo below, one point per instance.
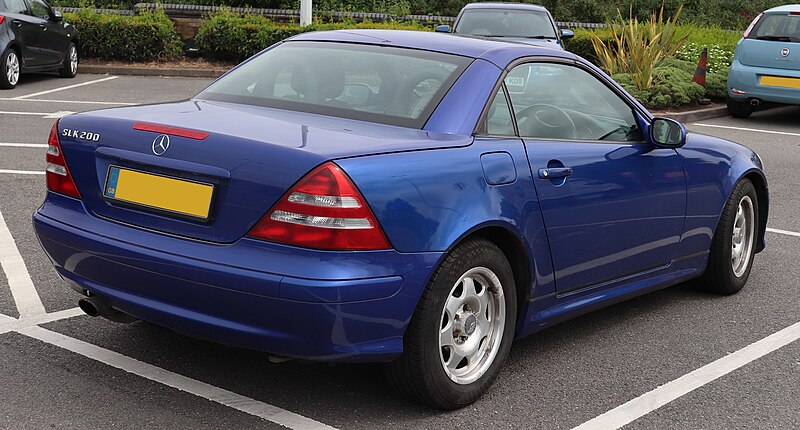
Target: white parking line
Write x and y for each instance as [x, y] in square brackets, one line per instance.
[85, 102]
[23, 145]
[648, 402]
[174, 380]
[68, 87]
[12, 324]
[786, 232]
[58, 114]
[25, 113]
[756, 130]
[22, 172]
[32, 313]
[19, 280]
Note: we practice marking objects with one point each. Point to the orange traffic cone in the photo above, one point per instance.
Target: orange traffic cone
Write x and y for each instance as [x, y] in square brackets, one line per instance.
[700, 73]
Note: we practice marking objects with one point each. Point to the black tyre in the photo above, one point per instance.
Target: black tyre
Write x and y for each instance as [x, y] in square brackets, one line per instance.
[10, 67]
[461, 331]
[739, 109]
[70, 67]
[734, 243]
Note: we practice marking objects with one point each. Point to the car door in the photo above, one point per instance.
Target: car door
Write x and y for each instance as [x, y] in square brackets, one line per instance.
[613, 204]
[50, 46]
[25, 30]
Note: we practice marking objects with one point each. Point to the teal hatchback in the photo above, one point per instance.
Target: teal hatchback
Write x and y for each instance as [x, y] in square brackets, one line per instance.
[766, 65]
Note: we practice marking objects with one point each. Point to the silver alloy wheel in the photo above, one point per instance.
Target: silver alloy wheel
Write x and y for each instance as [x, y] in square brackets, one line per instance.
[472, 325]
[12, 68]
[73, 59]
[743, 235]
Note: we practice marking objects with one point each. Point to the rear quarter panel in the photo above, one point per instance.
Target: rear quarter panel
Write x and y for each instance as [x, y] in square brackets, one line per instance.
[432, 200]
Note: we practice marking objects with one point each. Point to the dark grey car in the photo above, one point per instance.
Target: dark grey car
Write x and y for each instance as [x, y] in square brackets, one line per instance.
[35, 38]
[520, 22]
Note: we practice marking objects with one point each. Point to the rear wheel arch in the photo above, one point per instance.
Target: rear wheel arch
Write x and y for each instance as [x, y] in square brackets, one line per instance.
[15, 47]
[515, 252]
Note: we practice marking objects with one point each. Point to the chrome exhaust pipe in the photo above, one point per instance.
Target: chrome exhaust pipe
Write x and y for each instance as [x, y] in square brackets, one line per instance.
[755, 102]
[97, 308]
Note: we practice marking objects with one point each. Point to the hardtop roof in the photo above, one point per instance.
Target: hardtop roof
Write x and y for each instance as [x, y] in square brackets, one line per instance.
[499, 52]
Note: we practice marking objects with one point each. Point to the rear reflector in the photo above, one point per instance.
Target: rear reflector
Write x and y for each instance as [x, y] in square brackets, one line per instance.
[58, 178]
[172, 131]
[324, 210]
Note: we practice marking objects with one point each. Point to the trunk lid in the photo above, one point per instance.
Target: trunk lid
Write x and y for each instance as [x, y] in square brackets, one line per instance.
[251, 157]
[769, 54]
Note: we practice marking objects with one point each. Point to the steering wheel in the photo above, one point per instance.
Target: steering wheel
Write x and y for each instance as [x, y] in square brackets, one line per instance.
[547, 121]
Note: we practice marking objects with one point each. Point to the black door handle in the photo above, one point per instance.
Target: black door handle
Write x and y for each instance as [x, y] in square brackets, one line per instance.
[555, 172]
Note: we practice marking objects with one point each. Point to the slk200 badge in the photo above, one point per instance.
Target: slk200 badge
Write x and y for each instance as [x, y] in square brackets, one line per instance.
[82, 135]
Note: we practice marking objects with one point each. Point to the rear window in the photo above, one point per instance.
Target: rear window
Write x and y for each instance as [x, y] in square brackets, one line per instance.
[380, 84]
[505, 23]
[784, 28]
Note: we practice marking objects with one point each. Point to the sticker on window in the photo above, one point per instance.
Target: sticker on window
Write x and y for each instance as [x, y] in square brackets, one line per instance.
[517, 80]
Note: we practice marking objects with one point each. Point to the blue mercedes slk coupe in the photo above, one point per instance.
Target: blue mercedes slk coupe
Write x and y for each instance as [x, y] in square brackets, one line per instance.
[410, 198]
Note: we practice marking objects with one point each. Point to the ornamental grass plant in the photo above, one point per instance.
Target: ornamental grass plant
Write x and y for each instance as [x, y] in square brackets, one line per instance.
[637, 47]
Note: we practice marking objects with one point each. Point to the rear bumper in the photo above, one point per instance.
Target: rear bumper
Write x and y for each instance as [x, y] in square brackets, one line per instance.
[746, 78]
[300, 303]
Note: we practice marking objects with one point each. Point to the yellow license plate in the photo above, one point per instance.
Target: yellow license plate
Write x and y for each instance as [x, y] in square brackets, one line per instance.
[776, 81]
[163, 193]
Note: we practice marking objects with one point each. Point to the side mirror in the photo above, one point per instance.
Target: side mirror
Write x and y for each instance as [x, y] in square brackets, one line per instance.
[443, 28]
[667, 133]
[567, 34]
[57, 16]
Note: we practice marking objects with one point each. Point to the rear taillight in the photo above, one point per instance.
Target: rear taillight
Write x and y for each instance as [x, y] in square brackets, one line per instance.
[752, 24]
[58, 178]
[2, 18]
[324, 210]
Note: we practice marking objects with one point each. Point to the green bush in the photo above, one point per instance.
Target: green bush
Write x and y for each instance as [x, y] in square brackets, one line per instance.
[228, 36]
[581, 43]
[145, 37]
[730, 14]
[719, 57]
[673, 86]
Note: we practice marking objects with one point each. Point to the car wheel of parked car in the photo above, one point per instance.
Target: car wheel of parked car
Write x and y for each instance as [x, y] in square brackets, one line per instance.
[739, 109]
[461, 331]
[9, 69]
[734, 243]
[70, 68]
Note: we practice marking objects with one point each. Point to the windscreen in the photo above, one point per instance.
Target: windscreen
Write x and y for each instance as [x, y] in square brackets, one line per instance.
[784, 28]
[387, 85]
[506, 23]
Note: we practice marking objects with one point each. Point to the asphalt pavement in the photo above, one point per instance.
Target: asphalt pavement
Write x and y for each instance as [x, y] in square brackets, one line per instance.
[61, 369]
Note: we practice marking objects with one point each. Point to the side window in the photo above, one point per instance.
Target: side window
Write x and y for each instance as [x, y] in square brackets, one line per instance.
[556, 101]
[498, 118]
[16, 6]
[39, 9]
